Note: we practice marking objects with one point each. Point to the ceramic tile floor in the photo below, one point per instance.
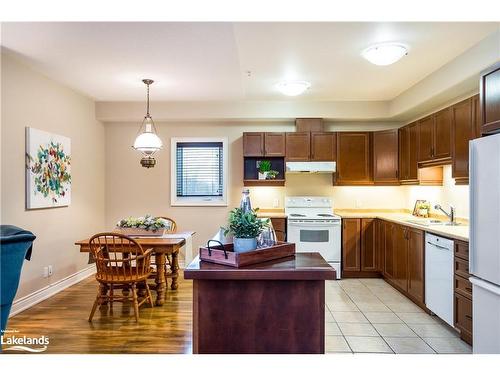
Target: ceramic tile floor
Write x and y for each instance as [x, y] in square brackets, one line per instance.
[370, 316]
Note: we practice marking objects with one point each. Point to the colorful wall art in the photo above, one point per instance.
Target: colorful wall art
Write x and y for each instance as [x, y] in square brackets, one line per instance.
[48, 169]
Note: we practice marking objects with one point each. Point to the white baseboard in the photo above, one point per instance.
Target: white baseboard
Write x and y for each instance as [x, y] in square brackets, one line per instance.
[36, 297]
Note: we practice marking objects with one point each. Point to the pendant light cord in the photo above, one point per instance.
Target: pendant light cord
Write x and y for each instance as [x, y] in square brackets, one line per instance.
[147, 110]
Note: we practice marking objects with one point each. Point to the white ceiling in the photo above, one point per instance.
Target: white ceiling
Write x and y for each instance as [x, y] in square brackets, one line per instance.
[209, 61]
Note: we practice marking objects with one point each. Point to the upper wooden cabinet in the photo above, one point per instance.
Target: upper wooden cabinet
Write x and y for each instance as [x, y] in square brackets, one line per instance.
[476, 116]
[463, 130]
[263, 144]
[253, 144]
[309, 125]
[274, 144]
[354, 158]
[434, 139]
[408, 154]
[385, 157]
[323, 146]
[298, 146]
[489, 91]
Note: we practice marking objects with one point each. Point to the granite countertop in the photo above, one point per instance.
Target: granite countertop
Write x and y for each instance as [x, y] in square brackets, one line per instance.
[459, 232]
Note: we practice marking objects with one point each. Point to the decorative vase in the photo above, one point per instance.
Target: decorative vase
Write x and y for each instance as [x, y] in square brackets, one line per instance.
[263, 176]
[242, 245]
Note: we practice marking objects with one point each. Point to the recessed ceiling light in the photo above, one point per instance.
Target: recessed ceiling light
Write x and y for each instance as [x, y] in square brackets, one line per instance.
[293, 88]
[384, 54]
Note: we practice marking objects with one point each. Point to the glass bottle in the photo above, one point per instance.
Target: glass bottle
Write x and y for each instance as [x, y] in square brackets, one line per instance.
[245, 204]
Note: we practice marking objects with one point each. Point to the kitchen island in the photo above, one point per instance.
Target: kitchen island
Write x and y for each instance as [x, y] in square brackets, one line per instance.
[273, 307]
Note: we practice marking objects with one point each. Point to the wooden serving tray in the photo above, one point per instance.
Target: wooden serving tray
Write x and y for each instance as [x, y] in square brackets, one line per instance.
[216, 254]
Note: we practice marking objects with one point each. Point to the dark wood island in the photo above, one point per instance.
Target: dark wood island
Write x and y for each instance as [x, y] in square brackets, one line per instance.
[273, 307]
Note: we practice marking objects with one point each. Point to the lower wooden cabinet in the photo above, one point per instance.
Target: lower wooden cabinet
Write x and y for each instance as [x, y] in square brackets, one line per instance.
[279, 225]
[388, 250]
[400, 257]
[416, 261]
[463, 292]
[359, 247]
[351, 245]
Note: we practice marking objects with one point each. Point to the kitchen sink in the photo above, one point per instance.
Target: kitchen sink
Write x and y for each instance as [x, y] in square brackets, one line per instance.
[429, 222]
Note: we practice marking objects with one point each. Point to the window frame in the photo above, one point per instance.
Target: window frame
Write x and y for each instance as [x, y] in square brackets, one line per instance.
[202, 200]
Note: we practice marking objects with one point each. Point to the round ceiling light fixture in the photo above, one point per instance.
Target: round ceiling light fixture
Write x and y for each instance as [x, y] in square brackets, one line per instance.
[293, 88]
[385, 53]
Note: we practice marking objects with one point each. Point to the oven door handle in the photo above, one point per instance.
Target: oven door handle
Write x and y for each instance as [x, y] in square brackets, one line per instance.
[319, 225]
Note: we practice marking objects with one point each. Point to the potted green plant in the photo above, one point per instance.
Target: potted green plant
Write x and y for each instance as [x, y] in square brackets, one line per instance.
[265, 171]
[245, 227]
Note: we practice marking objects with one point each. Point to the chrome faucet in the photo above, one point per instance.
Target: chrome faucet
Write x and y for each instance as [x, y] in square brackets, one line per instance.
[450, 215]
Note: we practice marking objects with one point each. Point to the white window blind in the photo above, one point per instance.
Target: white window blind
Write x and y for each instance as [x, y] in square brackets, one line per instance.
[200, 169]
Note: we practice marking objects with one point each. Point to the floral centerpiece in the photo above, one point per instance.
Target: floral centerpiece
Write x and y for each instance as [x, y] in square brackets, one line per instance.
[143, 226]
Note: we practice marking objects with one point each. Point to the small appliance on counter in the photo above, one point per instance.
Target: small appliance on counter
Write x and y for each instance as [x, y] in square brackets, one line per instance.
[313, 227]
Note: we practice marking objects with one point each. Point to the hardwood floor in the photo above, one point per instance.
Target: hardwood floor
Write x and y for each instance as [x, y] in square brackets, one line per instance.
[63, 319]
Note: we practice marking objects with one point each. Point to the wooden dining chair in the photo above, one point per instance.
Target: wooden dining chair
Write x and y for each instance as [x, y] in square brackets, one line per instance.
[121, 263]
[173, 224]
[168, 265]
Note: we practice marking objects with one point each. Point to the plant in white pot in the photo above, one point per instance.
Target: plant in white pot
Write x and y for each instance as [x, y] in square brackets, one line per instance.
[245, 227]
[265, 171]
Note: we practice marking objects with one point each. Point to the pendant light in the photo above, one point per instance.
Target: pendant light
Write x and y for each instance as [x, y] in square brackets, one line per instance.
[147, 141]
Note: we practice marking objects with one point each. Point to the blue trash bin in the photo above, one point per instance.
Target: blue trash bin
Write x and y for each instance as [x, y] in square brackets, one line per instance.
[15, 246]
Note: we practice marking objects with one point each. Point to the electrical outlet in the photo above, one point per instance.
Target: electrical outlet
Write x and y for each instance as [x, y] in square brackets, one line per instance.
[358, 203]
[276, 202]
[45, 272]
[50, 270]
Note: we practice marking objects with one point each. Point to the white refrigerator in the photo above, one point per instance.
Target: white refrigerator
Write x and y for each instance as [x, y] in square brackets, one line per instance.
[484, 242]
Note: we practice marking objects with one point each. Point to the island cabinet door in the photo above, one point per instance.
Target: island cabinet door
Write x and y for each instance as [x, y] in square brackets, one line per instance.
[298, 146]
[389, 269]
[416, 275]
[385, 157]
[351, 244]
[323, 146]
[368, 245]
[253, 144]
[401, 257]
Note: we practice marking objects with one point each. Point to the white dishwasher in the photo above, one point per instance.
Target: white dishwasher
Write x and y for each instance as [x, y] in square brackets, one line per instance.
[439, 276]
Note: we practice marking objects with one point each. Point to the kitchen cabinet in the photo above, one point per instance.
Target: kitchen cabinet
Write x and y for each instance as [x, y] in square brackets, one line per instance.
[263, 144]
[380, 244]
[463, 131]
[476, 116]
[274, 144]
[323, 146]
[253, 144]
[368, 251]
[309, 125]
[434, 139]
[279, 225]
[298, 146]
[416, 275]
[400, 257]
[389, 266]
[489, 91]
[385, 157]
[354, 158]
[351, 244]
[462, 291]
[408, 154]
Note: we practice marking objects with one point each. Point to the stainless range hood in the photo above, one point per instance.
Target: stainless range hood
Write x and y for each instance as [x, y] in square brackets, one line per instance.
[310, 167]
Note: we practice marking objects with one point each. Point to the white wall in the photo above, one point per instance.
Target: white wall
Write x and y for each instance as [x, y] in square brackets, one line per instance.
[30, 99]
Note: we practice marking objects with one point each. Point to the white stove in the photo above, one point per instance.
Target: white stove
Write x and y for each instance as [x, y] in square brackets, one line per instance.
[313, 227]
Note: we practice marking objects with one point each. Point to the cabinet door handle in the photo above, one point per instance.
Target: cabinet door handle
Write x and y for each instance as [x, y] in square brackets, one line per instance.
[468, 316]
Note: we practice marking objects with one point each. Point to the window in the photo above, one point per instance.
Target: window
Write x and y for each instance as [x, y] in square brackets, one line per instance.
[199, 172]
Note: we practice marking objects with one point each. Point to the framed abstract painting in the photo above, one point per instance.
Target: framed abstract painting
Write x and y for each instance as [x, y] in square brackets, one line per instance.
[48, 169]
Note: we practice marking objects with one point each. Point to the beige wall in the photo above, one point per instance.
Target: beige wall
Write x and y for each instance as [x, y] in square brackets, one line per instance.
[133, 190]
[30, 99]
